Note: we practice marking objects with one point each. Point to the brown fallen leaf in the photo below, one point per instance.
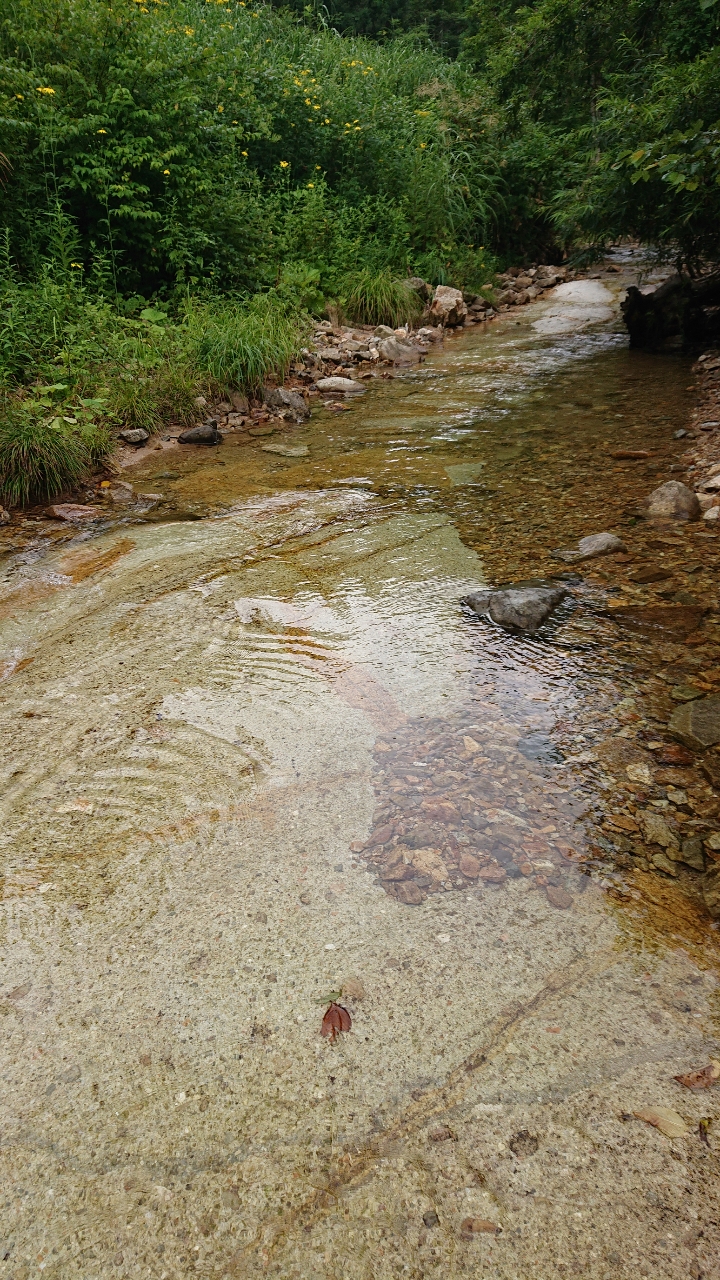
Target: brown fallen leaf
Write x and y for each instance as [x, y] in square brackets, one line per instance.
[336, 1019]
[664, 1119]
[470, 1227]
[703, 1078]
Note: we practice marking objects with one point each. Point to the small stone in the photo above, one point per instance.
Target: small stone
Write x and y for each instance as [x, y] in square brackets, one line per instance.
[71, 512]
[409, 893]
[230, 1199]
[421, 838]
[134, 435]
[523, 1144]
[673, 754]
[691, 853]
[632, 454]
[441, 1134]
[430, 1218]
[645, 576]
[305, 899]
[663, 863]
[711, 890]
[397, 872]
[639, 773]
[685, 693]
[673, 501]
[697, 724]
[712, 514]
[595, 544]
[206, 433]
[656, 830]
[469, 866]
[559, 897]
[493, 874]
[353, 989]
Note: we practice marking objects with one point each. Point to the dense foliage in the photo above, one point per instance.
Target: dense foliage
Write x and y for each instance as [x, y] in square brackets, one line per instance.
[156, 155]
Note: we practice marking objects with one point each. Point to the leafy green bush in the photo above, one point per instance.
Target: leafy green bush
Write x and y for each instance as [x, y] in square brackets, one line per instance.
[378, 298]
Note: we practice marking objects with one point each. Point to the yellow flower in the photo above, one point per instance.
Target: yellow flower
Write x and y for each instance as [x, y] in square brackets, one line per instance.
[244, 153]
[77, 264]
[102, 130]
[189, 31]
[21, 96]
[308, 102]
[423, 146]
[311, 184]
[44, 89]
[166, 170]
[284, 164]
[327, 121]
[317, 166]
[221, 107]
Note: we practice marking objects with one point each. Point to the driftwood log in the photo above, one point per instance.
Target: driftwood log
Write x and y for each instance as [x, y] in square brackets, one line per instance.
[681, 313]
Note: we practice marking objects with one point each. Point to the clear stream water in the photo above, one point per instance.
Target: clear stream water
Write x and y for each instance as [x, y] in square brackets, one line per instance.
[257, 757]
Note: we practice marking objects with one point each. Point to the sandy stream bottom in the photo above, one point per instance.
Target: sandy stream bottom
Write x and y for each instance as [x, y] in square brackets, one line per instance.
[220, 739]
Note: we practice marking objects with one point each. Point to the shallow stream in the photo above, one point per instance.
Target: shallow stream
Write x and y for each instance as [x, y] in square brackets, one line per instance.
[255, 757]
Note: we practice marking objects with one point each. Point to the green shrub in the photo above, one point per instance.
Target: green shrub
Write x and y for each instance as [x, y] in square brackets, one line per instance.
[374, 297]
[39, 457]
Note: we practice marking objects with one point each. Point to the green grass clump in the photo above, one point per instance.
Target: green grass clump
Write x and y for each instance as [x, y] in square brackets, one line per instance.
[241, 343]
[39, 458]
[375, 297]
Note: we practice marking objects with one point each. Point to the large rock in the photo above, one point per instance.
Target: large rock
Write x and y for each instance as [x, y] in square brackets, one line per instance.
[673, 501]
[448, 306]
[279, 398]
[711, 890]
[697, 724]
[517, 608]
[398, 352]
[596, 544]
[339, 384]
[206, 433]
[680, 312]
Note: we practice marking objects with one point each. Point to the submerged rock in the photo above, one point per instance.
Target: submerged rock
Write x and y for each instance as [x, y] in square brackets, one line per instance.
[207, 433]
[596, 544]
[517, 608]
[673, 501]
[697, 724]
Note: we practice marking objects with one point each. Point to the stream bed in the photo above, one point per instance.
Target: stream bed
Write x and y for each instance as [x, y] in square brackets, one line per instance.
[258, 756]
